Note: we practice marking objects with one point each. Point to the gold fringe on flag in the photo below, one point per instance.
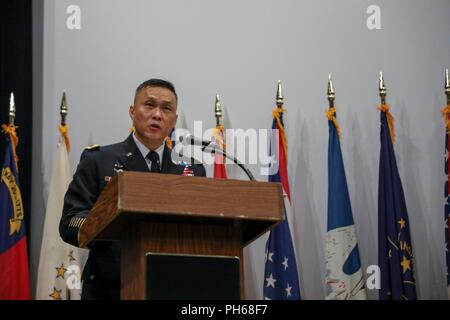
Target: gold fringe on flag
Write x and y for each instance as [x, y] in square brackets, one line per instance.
[169, 142]
[218, 135]
[390, 119]
[63, 129]
[331, 115]
[11, 130]
[446, 116]
[277, 114]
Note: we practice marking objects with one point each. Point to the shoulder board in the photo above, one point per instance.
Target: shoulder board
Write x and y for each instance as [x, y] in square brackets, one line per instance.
[92, 147]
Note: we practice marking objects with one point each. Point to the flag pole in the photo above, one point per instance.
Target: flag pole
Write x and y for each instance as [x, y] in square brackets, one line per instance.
[447, 86]
[63, 130]
[279, 98]
[218, 111]
[331, 95]
[12, 110]
[63, 109]
[382, 89]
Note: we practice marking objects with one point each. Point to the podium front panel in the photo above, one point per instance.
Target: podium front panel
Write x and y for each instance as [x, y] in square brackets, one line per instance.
[192, 277]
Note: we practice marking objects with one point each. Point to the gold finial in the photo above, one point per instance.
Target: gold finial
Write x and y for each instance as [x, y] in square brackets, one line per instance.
[218, 110]
[63, 108]
[280, 98]
[331, 95]
[12, 110]
[447, 86]
[382, 89]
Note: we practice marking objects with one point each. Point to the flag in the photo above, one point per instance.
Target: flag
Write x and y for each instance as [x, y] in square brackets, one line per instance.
[281, 277]
[395, 255]
[446, 115]
[344, 277]
[60, 264]
[14, 274]
[220, 170]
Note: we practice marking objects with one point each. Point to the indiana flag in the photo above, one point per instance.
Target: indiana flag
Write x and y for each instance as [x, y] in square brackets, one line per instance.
[344, 277]
[281, 277]
[14, 275]
[60, 264]
[220, 171]
[395, 254]
[446, 115]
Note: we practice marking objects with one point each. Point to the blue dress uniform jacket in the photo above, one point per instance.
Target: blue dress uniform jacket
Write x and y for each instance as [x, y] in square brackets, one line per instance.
[101, 275]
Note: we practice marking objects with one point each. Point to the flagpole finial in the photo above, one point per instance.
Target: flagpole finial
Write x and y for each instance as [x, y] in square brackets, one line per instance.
[279, 98]
[218, 111]
[331, 95]
[447, 86]
[382, 89]
[12, 109]
[63, 108]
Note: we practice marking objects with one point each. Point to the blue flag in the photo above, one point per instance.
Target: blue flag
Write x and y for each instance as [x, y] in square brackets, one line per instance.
[344, 277]
[280, 277]
[395, 255]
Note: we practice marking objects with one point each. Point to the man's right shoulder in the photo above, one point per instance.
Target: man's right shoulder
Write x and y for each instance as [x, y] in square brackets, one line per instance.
[95, 151]
[92, 147]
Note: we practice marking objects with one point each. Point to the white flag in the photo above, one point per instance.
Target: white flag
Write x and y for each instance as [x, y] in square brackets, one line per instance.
[60, 264]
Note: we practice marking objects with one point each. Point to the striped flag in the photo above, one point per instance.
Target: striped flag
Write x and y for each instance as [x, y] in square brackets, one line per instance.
[446, 115]
[281, 277]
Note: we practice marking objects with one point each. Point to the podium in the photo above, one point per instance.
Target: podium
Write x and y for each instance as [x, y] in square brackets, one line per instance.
[170, 214]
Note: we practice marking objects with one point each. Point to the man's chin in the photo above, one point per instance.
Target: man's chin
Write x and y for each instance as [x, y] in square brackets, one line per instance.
[152, 139]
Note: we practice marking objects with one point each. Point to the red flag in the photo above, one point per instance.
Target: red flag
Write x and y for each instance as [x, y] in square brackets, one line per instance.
[220, 170]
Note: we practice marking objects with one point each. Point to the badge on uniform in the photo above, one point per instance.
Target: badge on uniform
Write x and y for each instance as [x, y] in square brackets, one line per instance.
[188, 172]
[118, 167]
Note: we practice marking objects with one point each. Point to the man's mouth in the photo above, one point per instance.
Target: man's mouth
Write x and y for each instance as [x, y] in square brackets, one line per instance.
[155, 126]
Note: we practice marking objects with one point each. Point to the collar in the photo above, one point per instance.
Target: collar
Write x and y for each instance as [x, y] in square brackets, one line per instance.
[144, 150]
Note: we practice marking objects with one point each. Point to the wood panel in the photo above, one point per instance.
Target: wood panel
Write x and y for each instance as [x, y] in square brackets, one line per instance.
[172, 239]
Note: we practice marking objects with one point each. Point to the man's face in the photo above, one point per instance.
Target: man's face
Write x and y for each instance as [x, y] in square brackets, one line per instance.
[154, 115]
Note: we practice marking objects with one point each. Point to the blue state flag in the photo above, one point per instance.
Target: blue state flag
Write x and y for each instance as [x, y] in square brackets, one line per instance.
[344, 277]
[280, 277]
[395, 254]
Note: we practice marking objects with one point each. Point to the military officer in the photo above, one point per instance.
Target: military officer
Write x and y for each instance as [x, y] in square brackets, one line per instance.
[154, 114]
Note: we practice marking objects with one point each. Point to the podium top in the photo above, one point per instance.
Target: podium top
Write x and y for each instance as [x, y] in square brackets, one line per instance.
[130, 197]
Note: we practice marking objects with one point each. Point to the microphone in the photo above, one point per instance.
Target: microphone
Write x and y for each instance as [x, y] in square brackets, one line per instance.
[190, 139]
[212, 147]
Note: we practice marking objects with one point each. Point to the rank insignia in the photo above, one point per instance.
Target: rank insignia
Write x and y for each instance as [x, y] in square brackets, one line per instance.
[188, 172]
[118, 167]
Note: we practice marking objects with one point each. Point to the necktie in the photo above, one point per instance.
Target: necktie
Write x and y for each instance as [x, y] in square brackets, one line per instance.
[154, 158]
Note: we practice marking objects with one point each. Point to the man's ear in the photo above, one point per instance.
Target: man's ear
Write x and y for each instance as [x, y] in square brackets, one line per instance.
[131, 112]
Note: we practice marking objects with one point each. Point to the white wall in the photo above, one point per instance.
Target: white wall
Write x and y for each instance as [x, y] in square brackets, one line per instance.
[240, 49]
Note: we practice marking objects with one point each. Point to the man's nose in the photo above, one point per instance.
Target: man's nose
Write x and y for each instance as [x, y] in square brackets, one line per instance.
[157, 113]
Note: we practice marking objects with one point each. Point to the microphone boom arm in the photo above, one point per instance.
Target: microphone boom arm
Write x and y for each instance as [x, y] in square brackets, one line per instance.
[214, 149]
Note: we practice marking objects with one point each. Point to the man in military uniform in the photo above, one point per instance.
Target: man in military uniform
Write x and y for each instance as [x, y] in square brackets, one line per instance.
[154, 114]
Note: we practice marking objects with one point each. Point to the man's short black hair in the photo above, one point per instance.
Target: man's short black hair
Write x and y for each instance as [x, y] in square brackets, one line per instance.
[156, 83]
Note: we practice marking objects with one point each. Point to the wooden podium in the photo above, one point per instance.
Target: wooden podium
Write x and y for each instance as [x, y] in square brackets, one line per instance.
[172, 214]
